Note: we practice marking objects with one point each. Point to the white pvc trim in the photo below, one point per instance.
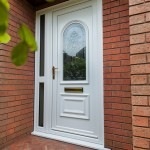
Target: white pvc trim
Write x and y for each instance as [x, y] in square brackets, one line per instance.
[39, 131]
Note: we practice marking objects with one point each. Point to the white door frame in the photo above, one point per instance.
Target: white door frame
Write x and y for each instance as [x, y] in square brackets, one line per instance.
[44, 131]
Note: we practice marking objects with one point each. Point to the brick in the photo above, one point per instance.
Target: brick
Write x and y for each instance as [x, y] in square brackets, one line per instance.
[140, 48]
[112, 63]
[121, 69]
[140, 69]
[124, 14]
[107, 70]
[125, 107]
[141, 142]
[117, 76]
[139, 79]
[141, 90]
[140, 28]
[137, 19]
[106, 6]
[124, 37]
[120, 32]
[10, 104]
[127, 114]
[148, 16]
[113, 112]
[3, 105]
[13, 114]
[3, 134]
[141, 8]
[125, 62]
[113, 124]
[135, 2]
[141, 111]
[106, 11]
[141, 132]
[9, 132]
[120, 57]
[124, 25]
[106, 23]
[16, 83]
[125, 18]
[120, 81]
[147, 37]
[115, 21]
[112, 39]
[112, 51]
[7, 121]
[125, 50]
[3, 117]
[111, 75]
[136, 39]
[126, 88]
[124, 2]
[140, 121]
[111, 28]
[135, 148]
[139, 100]
[106, 34]
[148, 79]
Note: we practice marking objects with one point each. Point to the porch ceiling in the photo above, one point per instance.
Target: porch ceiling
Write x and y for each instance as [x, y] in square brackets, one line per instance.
[37, 2]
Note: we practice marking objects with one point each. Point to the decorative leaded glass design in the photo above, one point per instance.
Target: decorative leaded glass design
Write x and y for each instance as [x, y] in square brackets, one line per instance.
[74, 52]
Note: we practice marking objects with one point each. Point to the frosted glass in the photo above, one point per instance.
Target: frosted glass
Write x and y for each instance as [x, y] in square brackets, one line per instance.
[74, 52]
[41, 104]
[42, 44]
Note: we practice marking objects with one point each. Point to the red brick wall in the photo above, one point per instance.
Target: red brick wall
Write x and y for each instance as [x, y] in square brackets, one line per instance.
[16, 83]
[118, 108]
[140, 70]
[16, 90]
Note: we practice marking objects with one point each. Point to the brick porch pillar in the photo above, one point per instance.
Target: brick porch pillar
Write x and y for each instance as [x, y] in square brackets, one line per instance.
[139, 12]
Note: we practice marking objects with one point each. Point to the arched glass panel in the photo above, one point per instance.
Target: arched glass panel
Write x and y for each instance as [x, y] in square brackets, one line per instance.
[74, 52]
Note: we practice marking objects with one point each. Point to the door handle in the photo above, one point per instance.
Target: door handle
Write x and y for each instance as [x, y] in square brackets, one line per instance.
[53, 72]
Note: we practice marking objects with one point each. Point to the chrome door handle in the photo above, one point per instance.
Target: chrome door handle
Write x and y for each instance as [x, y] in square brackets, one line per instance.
[53, 72]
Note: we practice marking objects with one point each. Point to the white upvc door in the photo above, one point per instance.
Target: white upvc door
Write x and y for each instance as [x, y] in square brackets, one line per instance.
[73, 91]
[75, 112]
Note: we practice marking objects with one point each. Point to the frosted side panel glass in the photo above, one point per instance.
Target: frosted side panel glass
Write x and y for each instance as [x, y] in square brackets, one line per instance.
[42, 44]
[41, 104]
[74, 53]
